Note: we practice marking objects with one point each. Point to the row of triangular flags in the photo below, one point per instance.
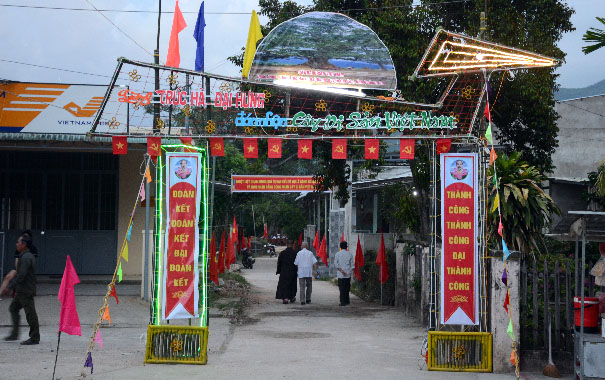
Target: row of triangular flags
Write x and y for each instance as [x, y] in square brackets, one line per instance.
[514, 359]
[154, 144]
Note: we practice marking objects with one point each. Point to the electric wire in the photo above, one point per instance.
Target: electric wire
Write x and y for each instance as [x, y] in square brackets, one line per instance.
[222, 13]
[118, 28]
[54, 68]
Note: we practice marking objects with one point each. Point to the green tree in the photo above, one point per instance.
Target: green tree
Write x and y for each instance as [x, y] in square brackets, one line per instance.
[525, 208]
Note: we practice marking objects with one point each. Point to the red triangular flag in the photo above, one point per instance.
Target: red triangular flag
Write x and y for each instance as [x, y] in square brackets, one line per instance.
[274, 148]
[265, 234]
[217, 146]
[213, 261]
[500, 227]
[243, 245]
[120, 144]
[381, 261]
[339, 149]
[305, 149]
[444, 145]
[234, 226]
[323, 252]
[114, 294]
[251, 148]
[230, 258]
[486, 113]
[300, 237]
[506, 301]
[153, 147]
[316, 241]
[492, 156]
[69, 322]
[249, 246]
[342, 237]
[358, 260]
[406, 149]
[178, 24]
[186, 140]
[372, 149]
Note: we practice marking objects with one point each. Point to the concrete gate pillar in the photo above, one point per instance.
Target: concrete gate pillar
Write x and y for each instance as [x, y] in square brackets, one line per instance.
[498, 316]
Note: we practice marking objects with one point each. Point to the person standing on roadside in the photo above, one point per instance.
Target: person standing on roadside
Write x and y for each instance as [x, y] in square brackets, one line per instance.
[24, 285]
[286, 286]
[306, 264]
[344, 263]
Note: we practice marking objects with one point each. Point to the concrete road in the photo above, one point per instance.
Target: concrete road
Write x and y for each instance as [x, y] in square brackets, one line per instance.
[320, 340]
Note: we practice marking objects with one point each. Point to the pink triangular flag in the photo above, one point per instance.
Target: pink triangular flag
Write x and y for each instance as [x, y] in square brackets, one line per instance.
[99, 338]
[68, 320]
[500, 227]
[142, 192]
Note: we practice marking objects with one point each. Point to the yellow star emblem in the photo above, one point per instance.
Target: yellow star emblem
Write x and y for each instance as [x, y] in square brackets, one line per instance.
[304, 149]
[120, 146]
[250, 148]
[372, 149]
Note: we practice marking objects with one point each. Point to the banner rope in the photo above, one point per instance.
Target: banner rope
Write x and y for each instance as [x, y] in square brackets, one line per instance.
[101, 312]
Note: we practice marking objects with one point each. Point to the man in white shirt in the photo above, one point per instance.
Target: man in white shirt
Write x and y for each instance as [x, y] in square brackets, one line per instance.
[344, 263]
[306, 264]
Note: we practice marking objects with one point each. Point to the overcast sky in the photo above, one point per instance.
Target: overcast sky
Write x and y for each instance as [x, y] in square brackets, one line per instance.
[87, 42]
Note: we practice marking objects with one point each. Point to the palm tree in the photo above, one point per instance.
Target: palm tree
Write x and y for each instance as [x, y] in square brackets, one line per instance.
[596, 36]
[526, 209]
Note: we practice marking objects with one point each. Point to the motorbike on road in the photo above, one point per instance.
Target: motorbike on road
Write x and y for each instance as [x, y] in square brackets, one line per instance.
[270, 248]
[247, 259]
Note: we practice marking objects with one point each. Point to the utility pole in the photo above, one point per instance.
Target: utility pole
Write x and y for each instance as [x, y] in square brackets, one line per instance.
[156, 60]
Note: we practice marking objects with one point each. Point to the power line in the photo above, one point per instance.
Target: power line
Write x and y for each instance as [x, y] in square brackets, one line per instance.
[220, 13]
[118, 28]
[54, 68]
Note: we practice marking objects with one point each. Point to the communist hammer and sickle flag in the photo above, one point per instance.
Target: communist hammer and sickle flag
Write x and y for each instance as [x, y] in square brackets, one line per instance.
[274, 148]
[339, 149]
[217, 147]
[153, 147]
[406, 149]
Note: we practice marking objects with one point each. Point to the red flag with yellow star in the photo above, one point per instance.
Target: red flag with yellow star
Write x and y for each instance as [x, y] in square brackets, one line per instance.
[444, 145]
[339, 149]
[153, 147]
[251, 148]
[406, 149]
[213, 261]
[217, 147]
[305, 149]
[120, 145]
[372, 149]
[274, 148]
[221, 254]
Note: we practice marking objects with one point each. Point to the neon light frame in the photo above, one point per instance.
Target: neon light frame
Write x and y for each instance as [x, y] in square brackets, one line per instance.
[203, 254]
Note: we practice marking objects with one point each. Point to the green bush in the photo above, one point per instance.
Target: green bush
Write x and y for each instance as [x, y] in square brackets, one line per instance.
[369, 286]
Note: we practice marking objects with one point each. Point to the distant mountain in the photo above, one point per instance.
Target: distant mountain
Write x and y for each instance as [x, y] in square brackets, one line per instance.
[574, 93]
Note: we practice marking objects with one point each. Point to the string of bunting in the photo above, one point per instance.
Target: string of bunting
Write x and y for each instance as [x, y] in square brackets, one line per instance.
[514, 356]
[274, 147]
[103, 313]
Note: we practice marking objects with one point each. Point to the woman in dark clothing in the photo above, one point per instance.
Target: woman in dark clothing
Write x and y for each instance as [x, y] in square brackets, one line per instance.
[286, 286]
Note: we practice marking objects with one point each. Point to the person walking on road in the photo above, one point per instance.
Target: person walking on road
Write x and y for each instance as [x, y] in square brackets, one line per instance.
[286, 286]
[24, 285]
[343, 260]
[306, 264]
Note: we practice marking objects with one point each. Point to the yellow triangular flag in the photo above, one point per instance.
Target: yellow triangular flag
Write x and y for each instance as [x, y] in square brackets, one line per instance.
[120, 272]
[254, 34]
[147, 174]
[125, 252]
[106, 316]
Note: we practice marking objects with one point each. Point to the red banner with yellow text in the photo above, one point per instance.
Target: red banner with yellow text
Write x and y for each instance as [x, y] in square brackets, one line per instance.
[183, 193]
[459, 256]
[272, 183]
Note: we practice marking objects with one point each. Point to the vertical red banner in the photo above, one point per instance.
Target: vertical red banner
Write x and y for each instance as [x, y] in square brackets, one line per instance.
[180, 290]
[459, 256]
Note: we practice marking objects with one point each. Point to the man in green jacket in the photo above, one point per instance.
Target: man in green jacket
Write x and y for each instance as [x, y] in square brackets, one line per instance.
[24, 285]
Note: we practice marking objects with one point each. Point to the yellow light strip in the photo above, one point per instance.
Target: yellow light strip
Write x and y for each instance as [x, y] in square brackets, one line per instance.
[502, 58]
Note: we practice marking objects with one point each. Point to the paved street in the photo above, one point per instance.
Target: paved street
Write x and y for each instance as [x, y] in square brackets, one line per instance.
[320, 340]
